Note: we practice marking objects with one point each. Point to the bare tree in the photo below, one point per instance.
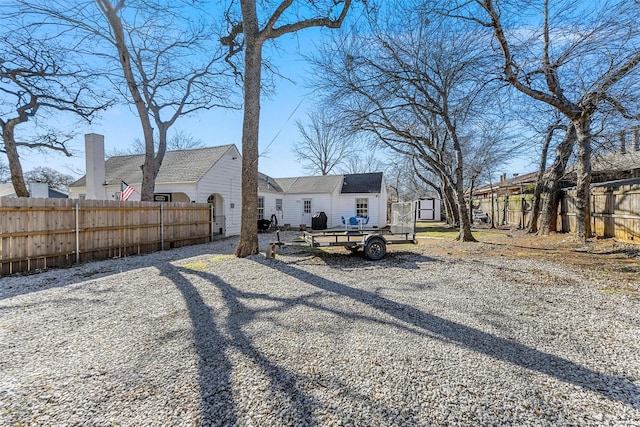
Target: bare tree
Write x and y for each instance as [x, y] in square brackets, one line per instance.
[409, 181]
[484, 153]
[179, 140]
[248, 33]
[573, 61]
[183, 140]
[551, 179]
[163, 74]
[540, 181]
[364, 159]
[49, 176]
[39, 79]
[324, 143]
[418, 87]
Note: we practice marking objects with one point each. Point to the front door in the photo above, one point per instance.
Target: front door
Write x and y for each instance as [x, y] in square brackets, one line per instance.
[307, 212]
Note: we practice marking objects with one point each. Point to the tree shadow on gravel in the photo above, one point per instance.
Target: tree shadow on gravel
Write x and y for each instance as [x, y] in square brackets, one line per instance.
[84, 273]
[213, 343]
[612, 387]
[342, 258]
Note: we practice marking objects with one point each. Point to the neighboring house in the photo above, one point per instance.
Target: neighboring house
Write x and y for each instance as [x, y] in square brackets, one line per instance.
[36, 189]
[615, 166]
[295, 200]
[203, 175]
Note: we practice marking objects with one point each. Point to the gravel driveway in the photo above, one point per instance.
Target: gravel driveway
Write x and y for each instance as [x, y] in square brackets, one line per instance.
[195, 336]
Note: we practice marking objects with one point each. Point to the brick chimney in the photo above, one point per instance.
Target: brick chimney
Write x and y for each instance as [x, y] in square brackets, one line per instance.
[94, 155]
[636, 138]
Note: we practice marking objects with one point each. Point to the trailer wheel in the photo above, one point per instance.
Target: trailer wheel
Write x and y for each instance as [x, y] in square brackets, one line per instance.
[375, 248]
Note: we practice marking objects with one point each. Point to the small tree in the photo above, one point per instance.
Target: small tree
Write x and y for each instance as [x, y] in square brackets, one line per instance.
[51, 177]
[324, 143]
[180, 140]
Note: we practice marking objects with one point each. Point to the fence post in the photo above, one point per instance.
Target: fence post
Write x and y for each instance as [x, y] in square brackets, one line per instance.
[162, 226]
[77, 209]
[212, 219]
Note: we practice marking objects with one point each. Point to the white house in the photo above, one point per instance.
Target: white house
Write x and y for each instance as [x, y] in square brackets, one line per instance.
[214, 175]
[295, 200]
[202, 175]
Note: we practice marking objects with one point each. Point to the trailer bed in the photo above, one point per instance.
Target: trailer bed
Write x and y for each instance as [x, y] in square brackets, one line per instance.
[374, 243]
[354, 238]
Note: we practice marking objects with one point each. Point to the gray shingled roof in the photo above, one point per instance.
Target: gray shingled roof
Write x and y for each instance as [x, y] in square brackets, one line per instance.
[177, 166]
[267, 184]
[617, 161]
[309, 184]
[362, 183]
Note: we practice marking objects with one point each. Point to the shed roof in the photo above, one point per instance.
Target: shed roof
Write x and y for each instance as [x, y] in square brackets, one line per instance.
[177, 166]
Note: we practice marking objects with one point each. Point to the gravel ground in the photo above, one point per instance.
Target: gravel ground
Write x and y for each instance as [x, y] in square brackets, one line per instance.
[195, 336]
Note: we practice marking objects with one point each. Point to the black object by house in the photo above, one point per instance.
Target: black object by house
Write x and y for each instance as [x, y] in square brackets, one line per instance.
[319, 221]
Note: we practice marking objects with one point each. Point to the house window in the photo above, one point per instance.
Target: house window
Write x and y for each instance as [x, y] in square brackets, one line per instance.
[279, 205]
[260, 207]
[307, 206]
[362, 207]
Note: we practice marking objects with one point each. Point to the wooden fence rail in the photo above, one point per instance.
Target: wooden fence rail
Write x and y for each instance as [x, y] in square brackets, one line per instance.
[44, 233]
[615, 211]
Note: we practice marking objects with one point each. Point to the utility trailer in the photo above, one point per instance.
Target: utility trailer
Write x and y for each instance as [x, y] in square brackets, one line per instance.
[373, 241]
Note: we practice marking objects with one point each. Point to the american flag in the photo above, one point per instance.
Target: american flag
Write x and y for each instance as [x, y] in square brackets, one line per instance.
[126, 190]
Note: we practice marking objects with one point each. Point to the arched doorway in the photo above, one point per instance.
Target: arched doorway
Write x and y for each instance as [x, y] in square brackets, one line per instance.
[217, 201]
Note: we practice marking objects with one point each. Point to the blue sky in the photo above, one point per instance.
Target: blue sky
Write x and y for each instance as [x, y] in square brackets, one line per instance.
[278, 131]
[291, 101]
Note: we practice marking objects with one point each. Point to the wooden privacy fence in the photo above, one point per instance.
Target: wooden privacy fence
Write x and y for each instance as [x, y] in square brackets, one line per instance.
[514, 210]
[44, 233]
[615, 211]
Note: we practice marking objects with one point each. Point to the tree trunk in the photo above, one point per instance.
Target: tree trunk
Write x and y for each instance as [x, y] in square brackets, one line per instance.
[149, 170]
[465, 225]
[17, 177]
[248, 244]
[537, 192]
[549, 218]
[583, 182]
[493, 207]
[453, 217]
[471, 202]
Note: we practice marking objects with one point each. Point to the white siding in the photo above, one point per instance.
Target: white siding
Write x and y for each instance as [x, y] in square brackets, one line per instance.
[225, 179]
[377, 208]
[334, 205]
[293, 207]
[270, 206]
